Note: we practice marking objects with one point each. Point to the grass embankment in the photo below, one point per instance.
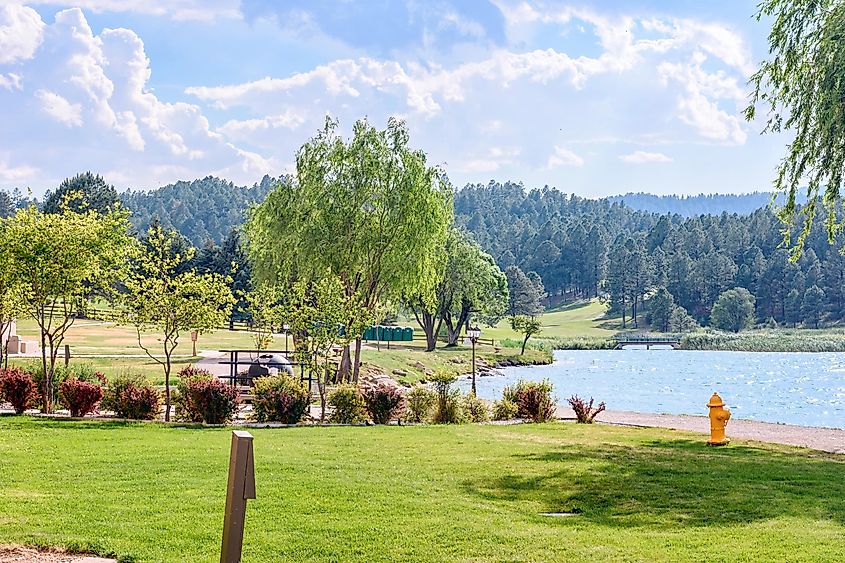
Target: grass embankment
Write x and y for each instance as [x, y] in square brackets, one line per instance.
[412, 363]
[424, 493]
[768, 340]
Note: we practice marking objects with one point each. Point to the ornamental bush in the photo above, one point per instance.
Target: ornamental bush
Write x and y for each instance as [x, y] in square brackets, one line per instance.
[348, 405]
[80, 397]
[131, 396]
[213, 401]
[18, 388]
[504, 410]
[584, 411]
[279, 398]
[184, 409]
[533, 399]
[475, 409]
[383, 401]
[449, 408]
[419, 404]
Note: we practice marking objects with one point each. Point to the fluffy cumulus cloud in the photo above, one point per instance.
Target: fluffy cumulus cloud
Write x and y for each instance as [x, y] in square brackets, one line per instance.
[514, 89]
[669, 80]
[80, 101]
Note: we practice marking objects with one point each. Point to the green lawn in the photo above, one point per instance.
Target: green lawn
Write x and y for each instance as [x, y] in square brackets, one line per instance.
[425, 493]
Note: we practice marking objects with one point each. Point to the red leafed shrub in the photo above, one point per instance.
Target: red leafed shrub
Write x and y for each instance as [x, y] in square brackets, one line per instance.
[383, 402]
[584, 411]
[18, 388]
[185, 409]
[215, 402]
[80, 397]
[131, 397]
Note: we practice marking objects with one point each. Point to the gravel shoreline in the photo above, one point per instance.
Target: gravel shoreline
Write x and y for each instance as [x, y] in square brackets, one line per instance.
[831, 440]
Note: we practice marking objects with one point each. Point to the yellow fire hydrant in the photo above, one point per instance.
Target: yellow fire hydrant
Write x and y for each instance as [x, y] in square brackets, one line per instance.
[719, 417]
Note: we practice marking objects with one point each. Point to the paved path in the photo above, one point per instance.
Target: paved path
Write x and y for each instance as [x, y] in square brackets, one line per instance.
[824, 439]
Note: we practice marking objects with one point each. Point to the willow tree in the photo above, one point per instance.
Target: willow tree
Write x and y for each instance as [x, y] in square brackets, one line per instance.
[470, 283]
[369, 210]
[801, 88]
[58, 260]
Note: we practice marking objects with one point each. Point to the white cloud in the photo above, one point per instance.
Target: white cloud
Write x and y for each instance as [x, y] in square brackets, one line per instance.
[563, 157]
[699, 105]
[100, 81]
[16, 174]
[21, 32]
[10, 81]
[198, 10]
[59, 108]
[643, 157]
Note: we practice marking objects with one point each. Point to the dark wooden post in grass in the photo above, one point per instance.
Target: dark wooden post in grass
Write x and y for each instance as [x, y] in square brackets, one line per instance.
[240, 488]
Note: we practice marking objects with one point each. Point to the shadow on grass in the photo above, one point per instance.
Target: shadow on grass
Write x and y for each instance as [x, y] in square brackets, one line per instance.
[675, 483]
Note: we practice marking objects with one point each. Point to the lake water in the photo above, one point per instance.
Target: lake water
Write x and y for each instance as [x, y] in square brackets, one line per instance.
[796, 388]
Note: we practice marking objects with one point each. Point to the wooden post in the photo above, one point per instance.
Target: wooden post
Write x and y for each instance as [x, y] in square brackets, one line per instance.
[240, 488]
[194, 334]
[67, 354]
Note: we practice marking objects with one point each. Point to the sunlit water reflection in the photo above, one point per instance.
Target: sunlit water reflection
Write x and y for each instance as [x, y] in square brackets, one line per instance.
[795, 388]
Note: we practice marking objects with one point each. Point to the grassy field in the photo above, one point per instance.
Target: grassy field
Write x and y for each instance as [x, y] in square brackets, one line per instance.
[424, 493]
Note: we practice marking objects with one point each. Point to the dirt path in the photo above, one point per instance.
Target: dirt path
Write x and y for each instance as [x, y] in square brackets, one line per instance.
[824, 439]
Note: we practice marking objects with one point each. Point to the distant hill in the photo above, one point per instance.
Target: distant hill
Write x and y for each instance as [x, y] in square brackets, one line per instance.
[691, 206]
[202, 210]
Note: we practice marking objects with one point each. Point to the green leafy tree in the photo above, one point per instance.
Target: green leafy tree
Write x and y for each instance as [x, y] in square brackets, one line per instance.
[472, 283]
[317, 314]
[733, 310]
[661, 306]
[266, 310]
[812, 306]
[801, 89]
[162, 296]
[527, 327]
[370, 211]
[681, 321]
[57, 260]
[83, 192]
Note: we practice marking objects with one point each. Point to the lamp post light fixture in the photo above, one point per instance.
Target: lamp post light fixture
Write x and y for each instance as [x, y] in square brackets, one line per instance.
[473, 333]
[286, 328]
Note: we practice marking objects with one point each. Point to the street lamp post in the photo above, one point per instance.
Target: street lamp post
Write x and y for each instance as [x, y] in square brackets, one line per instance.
[473, 333]
[286, 327]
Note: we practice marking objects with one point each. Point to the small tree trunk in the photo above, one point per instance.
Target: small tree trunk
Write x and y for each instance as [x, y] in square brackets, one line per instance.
[46, 388]
[524, 342]
[356, 367]
[167, 387]
[343, 370]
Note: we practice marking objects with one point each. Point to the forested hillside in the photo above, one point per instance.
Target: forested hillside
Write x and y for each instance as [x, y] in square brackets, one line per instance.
[202, 210]
[647, 264]
[583, 248]
[690, 206]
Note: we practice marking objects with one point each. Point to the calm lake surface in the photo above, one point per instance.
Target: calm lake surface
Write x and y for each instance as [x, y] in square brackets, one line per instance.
[796, 388]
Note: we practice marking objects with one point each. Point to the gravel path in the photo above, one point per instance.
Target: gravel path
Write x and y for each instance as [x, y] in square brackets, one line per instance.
[824, 439]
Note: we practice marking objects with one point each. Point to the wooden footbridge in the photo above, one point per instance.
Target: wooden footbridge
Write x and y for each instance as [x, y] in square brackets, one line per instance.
[647, 340]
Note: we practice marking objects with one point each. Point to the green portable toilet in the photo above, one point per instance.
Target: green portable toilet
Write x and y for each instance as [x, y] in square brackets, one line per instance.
[408, 334]
[391, 334]
[381, 332]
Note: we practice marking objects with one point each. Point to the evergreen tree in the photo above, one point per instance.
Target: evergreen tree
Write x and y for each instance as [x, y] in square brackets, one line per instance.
[661, 307]
[793, 307]
[812, 305]
[81, 193]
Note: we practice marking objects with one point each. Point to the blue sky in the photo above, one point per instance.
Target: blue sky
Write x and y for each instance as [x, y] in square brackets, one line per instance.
[594, 98]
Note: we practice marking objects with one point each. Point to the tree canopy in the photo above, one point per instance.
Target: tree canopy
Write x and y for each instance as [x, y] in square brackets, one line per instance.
[83, 192]
[369, 210]
[801, 87]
